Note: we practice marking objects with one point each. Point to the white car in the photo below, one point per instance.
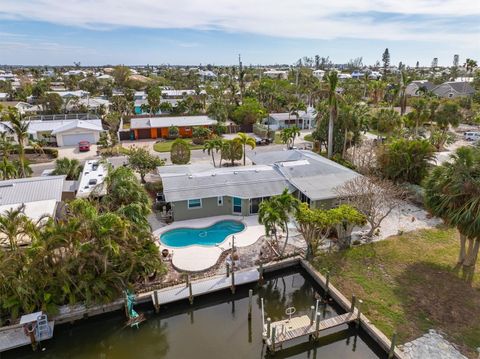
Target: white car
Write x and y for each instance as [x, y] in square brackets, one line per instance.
[471, 136]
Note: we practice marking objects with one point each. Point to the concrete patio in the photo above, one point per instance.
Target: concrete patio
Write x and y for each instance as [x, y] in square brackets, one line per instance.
[196, 258]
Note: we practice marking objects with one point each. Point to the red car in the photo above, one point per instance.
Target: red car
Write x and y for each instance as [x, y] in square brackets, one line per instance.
[84, 146]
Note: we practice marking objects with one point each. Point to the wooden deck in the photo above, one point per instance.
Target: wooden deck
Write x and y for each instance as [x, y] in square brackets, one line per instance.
[203, 286]
[300, 326]
[13, 336]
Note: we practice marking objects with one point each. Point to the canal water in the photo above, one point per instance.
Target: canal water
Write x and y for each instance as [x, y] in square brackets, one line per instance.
[216, 326]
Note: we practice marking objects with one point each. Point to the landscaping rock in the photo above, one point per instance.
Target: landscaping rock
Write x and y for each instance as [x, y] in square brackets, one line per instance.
[432, 346]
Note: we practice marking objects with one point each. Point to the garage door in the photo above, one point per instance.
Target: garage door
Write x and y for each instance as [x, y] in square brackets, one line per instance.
[73, 140]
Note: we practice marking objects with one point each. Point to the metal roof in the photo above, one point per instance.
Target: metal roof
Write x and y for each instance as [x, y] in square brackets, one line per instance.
[32, 189]
[242, 182]
[85, 125]
[181, 121]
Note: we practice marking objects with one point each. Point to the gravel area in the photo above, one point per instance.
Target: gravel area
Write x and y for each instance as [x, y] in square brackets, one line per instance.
[432, 346]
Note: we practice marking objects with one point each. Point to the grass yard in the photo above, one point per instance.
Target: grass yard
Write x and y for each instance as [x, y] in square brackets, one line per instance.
[308, 138]
[408, 284]
[165, 146]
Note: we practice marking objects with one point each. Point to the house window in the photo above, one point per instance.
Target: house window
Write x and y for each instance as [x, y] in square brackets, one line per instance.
[237, 205]
[220, 201]
[194, 203]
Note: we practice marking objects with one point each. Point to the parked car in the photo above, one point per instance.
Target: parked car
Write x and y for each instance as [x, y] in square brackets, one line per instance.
[84, 146]
[471, 136]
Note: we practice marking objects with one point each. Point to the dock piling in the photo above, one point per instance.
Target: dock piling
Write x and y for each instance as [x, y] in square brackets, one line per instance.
[228, 269]
[352, 307]
[317, 325]
[359, 308]
[156, 303]
[273, 339]
[312, 314]
[190, 293]
[233, 282]
[391, 353]
[327, 284]
[250, 299]
[187, 280]
[269, 324]
[260, 271]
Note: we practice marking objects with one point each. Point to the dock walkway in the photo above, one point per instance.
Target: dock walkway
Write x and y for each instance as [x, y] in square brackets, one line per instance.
[300, 326]
[203, 286]
[13, 336]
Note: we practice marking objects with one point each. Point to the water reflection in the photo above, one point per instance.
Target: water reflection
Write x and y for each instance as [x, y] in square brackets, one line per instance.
[216, 326]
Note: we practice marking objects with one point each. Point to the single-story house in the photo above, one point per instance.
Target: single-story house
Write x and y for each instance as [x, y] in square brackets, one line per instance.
[454, 89]
[157, 127]
[276, 74]
[64, 130]
[414, 87]
[22, 107]
[92, 179]
[196, 191]
[279, 121]
[318, 74]
[40, 195]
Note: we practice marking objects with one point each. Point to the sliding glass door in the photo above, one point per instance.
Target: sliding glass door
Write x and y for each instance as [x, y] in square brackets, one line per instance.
[237, 205]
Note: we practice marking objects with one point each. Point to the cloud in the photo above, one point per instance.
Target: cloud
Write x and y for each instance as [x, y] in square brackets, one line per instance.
[418, 20]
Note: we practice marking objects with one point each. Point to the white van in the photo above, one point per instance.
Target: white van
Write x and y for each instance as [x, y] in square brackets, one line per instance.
[471, 136]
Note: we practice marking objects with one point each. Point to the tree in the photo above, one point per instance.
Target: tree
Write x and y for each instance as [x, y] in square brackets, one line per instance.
[51, 103]
[121, 75]
[419, 113]
[180, 152]
[14, 227]
[154, 95]
[404, 82]
[373, 197]
[20, 129]
[245, 141]
[142, 161]
[470, 64]
[386, 61]
[275, 212]
[68, 167]
[249, 112]
[8, 169]
[332, 80]
[173, 132]
[452, 192]
[200, 134]
[434, 63]
[447, 115]
[213, 146]
[232, 150]
[403, 160]
[386, 120]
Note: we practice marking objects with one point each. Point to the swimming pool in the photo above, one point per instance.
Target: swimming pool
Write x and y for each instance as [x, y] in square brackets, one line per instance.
[208, 236]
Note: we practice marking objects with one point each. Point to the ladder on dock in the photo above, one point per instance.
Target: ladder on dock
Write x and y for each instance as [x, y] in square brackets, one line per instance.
[277, 333]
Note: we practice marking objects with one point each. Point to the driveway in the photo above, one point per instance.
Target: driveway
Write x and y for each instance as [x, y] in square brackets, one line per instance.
[72, 152]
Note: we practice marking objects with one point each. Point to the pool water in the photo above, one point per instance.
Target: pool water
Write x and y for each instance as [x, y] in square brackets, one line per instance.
[208, 236]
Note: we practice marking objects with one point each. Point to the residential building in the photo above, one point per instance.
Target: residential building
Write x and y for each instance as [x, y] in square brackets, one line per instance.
[276, 74]
[157, 127]
[196, 191]
[454, 89]
[278, 121]
[318, 74]
[65, 130]
[414, 88]
[92, 179]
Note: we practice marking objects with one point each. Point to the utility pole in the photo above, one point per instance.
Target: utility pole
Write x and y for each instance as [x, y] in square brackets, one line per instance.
[240, 76]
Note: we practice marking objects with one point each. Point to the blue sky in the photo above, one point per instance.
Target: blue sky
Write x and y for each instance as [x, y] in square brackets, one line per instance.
[96, 32]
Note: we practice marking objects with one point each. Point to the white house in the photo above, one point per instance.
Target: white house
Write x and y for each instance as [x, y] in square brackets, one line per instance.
[276, 74]
[278, 121]
[318, 74]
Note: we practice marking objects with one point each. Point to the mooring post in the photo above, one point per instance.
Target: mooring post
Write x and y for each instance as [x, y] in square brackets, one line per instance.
[228, 269]
[352, 307]
[273, 338]
[233, 282]
[190, 293]
[327, 283]
[312, 314]
[156, 303]
[250, 299]
[269, 324]
[260, 271]
[391, 353]
[263, 314]
[187, 280]
[359, 308]
[316, 305]
[125, 302]
[317, 325]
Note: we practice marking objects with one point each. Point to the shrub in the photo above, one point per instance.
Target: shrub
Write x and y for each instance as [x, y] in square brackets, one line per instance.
[173, 132]
[180, 152]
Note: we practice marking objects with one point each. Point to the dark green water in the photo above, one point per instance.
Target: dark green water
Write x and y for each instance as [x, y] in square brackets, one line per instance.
[216, 326]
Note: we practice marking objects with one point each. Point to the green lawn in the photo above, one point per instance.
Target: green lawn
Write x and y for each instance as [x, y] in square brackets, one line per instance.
[408, 285]
[165, 146]
[308, 138]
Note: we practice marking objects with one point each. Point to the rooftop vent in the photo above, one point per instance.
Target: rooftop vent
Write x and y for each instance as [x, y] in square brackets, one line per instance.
[190, 176]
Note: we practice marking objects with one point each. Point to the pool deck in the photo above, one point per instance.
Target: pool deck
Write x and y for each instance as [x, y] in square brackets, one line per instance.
[196, 258]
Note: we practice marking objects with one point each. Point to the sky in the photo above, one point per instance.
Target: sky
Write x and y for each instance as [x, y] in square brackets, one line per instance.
[193, 32]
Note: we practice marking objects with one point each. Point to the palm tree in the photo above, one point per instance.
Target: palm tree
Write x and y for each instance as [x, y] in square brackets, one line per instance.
[419, 113]
[470, 64]
[294, 132]
[37, 146]
[294, 108]
[7, 169]
[452, 192]
[404, 82]
[245, 140]
[213, 146]
[20, 128]
[332, 79]
[13, 226]
[274, 213]
[68, 167]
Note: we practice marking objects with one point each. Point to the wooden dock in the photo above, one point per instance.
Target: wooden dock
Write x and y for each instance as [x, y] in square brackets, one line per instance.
[203, 286]
[13, 336]
[301, 326]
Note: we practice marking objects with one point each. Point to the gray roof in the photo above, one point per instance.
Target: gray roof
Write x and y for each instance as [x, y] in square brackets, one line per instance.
[32, 189]
[312, 174]
[80, 124]
[462, 88]
[242, 182]
[167, 121]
